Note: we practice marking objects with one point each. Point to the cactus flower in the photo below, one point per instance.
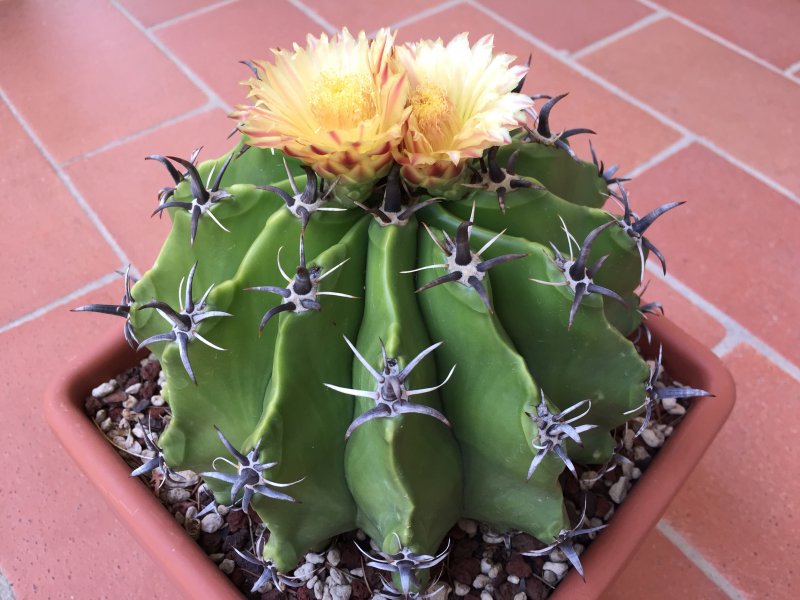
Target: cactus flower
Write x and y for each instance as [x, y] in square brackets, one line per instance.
[339, 105]
[462, 102]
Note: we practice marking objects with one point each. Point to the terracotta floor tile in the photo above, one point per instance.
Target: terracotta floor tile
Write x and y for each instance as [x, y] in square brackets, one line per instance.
[683, 313]
[770, 31]
[740, 106]
[212, 44]
[626, 135]
[122, 187]
[367, 15]
[59, 538]
[78, 92]
[740, 507]
[659, 571]
[51, 246]
[731, 242]
[570, 24]
[153, 12]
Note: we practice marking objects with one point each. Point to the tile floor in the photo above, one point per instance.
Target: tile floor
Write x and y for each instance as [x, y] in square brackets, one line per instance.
[699, 100]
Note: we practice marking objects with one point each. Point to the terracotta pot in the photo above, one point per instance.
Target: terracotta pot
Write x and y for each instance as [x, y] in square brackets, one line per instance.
[685, 358]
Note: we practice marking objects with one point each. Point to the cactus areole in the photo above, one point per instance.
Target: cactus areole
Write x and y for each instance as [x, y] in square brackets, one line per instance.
[447, 314]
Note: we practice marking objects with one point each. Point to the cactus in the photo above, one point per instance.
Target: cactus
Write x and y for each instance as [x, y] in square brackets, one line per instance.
[443, 332]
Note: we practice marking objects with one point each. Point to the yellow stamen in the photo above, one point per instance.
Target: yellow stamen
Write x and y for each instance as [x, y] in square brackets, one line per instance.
[433, 112]
[343, 101]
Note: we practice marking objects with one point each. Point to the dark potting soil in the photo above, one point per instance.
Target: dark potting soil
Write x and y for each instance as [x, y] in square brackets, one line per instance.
[481, 563]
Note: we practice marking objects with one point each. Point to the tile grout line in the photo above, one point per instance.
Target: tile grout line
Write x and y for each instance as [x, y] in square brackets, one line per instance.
[735, 333]
[73, 295]
[733, 328]
[66, 180]
[728, 343]
[191, 14]
[718, 39]
[654, 17]
[793, 70]
[425, 13]
[313, 15]
[749, 169]
[700, 561]
[211, 95]
[660, 156]
[200, 110]
[641, 105]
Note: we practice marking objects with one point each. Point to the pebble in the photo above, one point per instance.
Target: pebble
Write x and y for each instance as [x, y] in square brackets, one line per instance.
[191, 512]
[129, 402]
[594, 522]
[553, 572]
[100, 415]
[627, 469]
[486, 596]
[557, 556]
[226, 566]
[360, 535]
[336, 592]
[468, 526]
[104, 389]
[520, 596]
[358, 572]
[513, 579]
[640, 453]
[106, 424]
[157, 400]
[486, 566]
[212, 522]
[216, 557]
[588, 479]
[441, 593]
[672, 407]
[319, 590]
[628, 439]
[492, 538]
[190, 479]
[335, 576]
[175, 495]
[494, 571]
[636, 472]
[461, 589]
[192, 527]
[653, 438]
[314, 558]
[133, 388]
[304, 571]
[222, 510]
[619, 490]
[480, 582]
[333, 557]
[312, 582]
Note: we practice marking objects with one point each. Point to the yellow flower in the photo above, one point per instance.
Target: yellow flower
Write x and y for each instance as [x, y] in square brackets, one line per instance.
[462, 102]
[339, 105]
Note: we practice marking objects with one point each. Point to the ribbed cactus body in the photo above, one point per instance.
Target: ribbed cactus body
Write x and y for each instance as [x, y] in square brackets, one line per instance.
[403, 478]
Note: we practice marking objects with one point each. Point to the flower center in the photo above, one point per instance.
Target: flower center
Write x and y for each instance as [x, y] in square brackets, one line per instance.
[434, 112]
[343, 101]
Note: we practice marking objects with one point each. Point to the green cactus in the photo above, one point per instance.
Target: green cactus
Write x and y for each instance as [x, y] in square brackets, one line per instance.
[424, 359]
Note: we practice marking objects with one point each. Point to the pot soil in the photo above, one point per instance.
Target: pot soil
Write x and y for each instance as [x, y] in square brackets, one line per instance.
[480, 560]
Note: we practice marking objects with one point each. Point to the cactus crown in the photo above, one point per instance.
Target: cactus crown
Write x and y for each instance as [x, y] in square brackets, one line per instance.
[387, 434]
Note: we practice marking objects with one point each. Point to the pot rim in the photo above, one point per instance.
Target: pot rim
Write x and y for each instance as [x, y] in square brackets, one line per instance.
[189, 567]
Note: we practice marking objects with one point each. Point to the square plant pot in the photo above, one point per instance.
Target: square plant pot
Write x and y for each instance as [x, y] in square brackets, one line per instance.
[685, 359]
